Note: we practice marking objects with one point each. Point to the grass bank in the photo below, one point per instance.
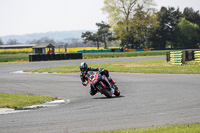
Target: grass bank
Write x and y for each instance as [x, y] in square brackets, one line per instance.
[157, 66]
[189, 128]
[24, 57]
[19, 101]
[19, 57]
[123, 54]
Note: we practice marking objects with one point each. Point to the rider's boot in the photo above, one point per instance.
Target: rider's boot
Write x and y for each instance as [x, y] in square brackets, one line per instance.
[112, 81]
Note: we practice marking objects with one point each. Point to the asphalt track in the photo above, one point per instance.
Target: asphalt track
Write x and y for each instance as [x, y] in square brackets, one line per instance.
[146, 100]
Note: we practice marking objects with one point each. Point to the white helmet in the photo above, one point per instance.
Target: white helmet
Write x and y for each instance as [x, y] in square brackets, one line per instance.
[83, 67]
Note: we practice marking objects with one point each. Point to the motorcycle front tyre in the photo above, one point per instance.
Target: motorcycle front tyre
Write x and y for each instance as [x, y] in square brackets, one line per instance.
[105, 91]
[117, 92]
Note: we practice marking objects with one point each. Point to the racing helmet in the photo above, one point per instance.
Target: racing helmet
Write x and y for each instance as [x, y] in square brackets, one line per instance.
[83, 67]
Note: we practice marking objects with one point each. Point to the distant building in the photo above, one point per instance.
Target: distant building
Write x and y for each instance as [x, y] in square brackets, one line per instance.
[17, 46]
[41, 49]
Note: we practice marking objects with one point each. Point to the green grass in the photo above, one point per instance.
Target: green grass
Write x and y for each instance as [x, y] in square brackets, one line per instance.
[14, 57]
[6, 57]
[19, 101]
[189, 128]
[124, 54]
[157, 66]
[19, 57]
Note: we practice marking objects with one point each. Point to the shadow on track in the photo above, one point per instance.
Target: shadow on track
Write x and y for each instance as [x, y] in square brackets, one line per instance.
[108, 98]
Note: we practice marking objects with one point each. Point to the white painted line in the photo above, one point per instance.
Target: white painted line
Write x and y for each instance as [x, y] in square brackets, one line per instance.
[19, 72]
[52, 103]
[57, 101]
[44, 105]
[9, 111]
[22, 72]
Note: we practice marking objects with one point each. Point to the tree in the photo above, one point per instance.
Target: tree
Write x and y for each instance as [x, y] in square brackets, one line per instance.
[164, 34]
[104, 34]
[142, 24]
[12, 42]
[45, 40]
[192, 16]
[1, 42]
[120, 13]
[76, 42]
[187, 35]
[89, 36]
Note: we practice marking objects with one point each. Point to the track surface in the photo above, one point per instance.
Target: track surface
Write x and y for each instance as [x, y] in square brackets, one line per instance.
[147, 100]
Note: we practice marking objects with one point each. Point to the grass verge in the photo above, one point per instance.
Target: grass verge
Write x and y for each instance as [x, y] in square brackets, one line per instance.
[19, 57]
[123, 54]
[24, 57]
[189, 128]
[157, 66]
[19, 101]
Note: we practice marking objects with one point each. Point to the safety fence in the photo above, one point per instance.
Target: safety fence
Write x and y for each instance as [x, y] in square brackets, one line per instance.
[50, 57]
[197, 56]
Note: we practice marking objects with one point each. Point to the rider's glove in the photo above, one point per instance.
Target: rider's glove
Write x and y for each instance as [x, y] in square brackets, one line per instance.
[84, 83]
[101, 69]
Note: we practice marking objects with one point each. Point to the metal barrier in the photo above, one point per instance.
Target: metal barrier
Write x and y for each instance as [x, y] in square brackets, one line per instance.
[197, 56]
[176, 58]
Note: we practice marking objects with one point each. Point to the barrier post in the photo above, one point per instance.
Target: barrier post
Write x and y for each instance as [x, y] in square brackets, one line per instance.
[183, 57]
[168, 56]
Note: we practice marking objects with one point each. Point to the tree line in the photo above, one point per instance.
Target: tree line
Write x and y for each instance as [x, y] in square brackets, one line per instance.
[137, 23]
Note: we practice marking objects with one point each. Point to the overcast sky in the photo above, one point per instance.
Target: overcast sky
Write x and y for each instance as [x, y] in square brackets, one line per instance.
[19, 17]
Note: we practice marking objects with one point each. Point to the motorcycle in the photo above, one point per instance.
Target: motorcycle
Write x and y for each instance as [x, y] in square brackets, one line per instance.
[101, 84]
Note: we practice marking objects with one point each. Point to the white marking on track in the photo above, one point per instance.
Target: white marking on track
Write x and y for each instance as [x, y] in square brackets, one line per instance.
[44, 105]
[22, 72]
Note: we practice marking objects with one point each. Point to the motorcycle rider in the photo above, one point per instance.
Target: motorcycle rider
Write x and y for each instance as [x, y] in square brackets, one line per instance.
[84, 69]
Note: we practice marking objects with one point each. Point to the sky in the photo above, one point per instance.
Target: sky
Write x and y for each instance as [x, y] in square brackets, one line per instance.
[20, 17]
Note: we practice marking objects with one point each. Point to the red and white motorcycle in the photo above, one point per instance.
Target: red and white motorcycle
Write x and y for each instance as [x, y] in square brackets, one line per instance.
[101, 84]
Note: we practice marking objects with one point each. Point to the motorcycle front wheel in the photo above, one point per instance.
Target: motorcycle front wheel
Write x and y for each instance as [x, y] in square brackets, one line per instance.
[117, 92]
[104, 91]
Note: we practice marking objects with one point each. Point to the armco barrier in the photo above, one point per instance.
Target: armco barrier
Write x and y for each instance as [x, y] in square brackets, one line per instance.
[139, 49]
[197, 56]
[147, 49]
[176, 58]
[50, 57]
[130, 50]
